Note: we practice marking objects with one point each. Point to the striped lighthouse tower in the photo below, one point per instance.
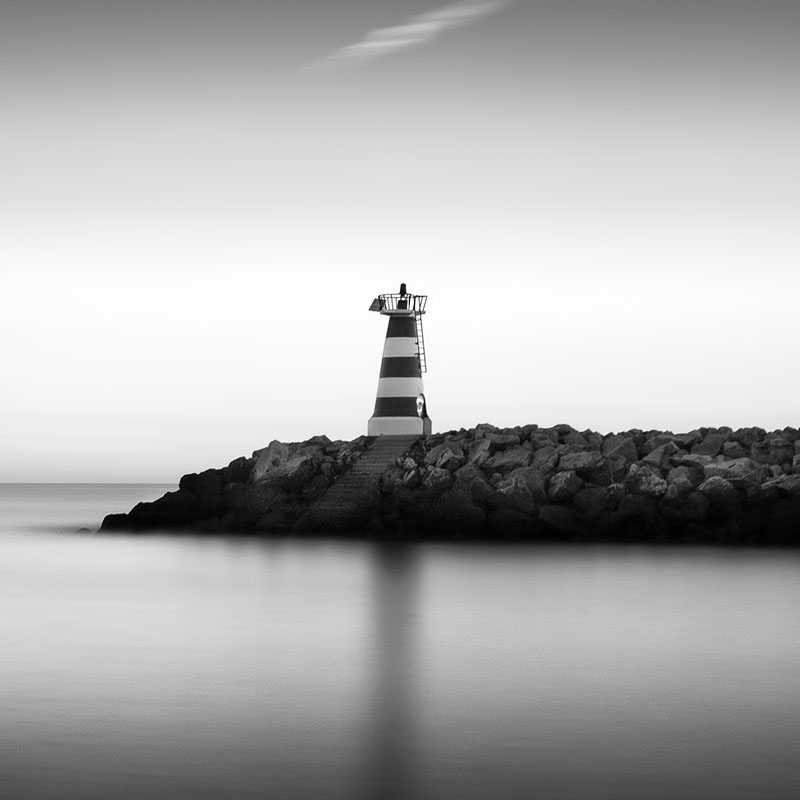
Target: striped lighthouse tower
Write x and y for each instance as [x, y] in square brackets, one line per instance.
[400, 407]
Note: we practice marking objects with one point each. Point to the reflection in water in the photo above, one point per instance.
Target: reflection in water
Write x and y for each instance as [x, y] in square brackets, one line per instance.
[392, 715]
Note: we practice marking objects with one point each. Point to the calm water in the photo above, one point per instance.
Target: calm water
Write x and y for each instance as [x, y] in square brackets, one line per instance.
[185, 666]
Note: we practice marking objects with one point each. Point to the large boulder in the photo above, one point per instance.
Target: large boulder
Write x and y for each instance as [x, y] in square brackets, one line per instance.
[712, 443]
[288, 466]
[747, 437]
[522, 489]
[447, 456]
[687, 440]
[583, 462]
[437, 478]
[269, 458]
[691, 475]
[238, 471]
[696, 460]
[206, 487]
[775, 449]
[479, 452]
[620, 450]
[506, 461]
[471, 480]
[645, 480]
[741, 472]
[545, 459]
[732, 449]
[659, 456]
[500, 441]
[721, 495]
[786, 485]
[563, 485]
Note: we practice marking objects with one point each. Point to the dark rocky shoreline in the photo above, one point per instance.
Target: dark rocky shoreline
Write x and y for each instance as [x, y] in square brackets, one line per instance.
[711, 485]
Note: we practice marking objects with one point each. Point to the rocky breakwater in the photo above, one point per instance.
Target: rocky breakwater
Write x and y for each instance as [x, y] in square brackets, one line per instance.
[267, 492]
[708, 485]
[528, 483]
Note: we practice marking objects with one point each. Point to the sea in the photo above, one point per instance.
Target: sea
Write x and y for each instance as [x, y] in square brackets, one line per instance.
[164, 665]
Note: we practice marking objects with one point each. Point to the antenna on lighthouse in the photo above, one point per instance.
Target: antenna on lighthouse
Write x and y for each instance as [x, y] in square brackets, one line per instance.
[400, 405]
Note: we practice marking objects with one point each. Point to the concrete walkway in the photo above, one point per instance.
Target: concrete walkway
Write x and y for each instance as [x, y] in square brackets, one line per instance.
[356, 497]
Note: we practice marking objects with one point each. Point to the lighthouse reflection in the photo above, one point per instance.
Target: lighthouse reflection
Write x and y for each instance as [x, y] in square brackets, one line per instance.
[392, 717]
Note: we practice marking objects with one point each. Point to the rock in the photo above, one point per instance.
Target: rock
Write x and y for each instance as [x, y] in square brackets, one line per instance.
[250, 502]
[747, 437]
[523, 489]
[643, 479]
[471, 480]
[206, 487]
[446, 456]
[741, 472]
[721, 495]
[582, 462]
[270, 457]
[500, 441]
[690, 460]
[687, 440]
[657, 440]
[577, 440]
[563, 485]
[796, 464]
[711, 444]
[392, 475]
[238, 471]
[775, 449]
[563, 430]
[479, 452]
[545, 437]
[732, 449]
[660, 455]
[678, 490]
[594, 440]
[411, 479]
[408, 464]
[620, 450]
[172, 510]
[692, 475]
[785, 484]
[116, 522]
[508, 460]
[437, 478]
[545, 459]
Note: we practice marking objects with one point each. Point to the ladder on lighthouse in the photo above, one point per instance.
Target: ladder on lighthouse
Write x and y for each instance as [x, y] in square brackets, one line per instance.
[423, 367]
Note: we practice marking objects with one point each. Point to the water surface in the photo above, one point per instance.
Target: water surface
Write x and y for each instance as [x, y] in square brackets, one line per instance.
[225, 666]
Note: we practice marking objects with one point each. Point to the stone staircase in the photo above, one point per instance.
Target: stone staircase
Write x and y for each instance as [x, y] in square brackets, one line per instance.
[355, 498]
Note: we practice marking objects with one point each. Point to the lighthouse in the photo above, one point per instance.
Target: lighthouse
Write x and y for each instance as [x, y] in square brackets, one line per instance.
[400, 407]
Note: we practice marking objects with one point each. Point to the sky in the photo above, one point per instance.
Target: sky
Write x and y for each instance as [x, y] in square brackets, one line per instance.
[200, 200]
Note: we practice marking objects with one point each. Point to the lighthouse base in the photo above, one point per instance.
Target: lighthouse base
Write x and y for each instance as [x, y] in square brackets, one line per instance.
[398, 426]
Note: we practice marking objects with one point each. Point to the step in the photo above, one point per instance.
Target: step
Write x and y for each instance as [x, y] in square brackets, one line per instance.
[355, 497]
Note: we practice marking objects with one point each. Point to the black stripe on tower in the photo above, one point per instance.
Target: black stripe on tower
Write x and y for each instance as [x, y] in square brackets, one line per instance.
[395, 407]
[401, 327]
[400, 367]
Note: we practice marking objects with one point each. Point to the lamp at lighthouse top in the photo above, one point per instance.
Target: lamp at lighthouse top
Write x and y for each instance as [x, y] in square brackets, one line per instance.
[401, 304]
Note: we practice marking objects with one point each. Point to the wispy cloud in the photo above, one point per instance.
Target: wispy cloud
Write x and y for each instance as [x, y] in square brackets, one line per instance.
[416, 31]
